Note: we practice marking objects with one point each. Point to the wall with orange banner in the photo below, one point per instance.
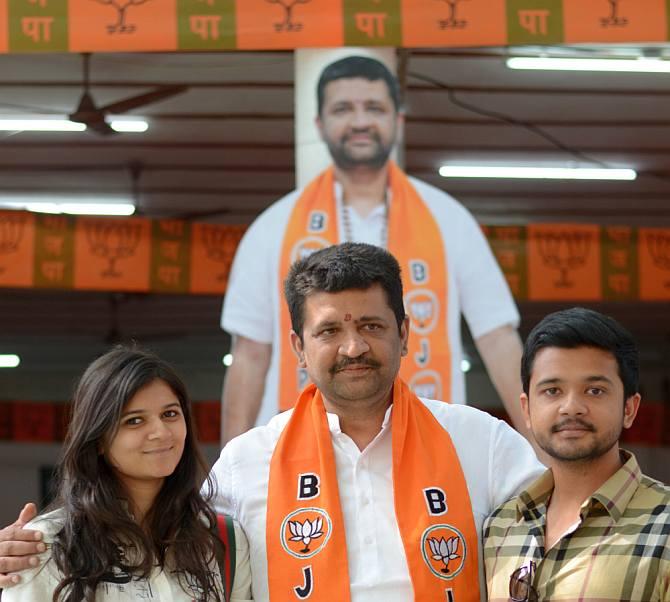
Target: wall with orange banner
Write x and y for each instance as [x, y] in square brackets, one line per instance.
[542, 262]
[211, 25]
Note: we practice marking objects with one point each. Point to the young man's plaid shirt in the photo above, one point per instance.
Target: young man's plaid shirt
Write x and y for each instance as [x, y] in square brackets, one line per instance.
[620, 550]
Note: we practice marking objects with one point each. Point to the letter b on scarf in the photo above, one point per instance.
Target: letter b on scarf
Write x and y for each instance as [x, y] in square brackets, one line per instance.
[308, 486]
[436, 500]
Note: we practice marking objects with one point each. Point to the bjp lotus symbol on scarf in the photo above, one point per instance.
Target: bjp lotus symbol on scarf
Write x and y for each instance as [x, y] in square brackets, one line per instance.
[444, 550]
[306, 246]
[423, 309]
[305, 532]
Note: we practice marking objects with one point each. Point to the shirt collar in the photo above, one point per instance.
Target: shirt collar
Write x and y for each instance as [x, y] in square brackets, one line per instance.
[334, 421]
[613, 495]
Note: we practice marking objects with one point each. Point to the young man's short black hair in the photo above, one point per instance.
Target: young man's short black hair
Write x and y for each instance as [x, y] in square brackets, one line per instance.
[338, 268]
[357, 66]
[580, 327]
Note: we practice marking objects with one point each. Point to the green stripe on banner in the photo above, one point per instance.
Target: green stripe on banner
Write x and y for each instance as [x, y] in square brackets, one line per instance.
[208, 25]
[38, 25]
[535, 21]
[170, 254]
[618, 248]
[54, 251]
[372, 23]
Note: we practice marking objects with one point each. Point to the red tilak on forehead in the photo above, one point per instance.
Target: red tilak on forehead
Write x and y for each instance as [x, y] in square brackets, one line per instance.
[347, 317]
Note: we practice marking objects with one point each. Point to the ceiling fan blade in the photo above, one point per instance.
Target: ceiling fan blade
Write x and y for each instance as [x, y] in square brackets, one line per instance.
[134, 102]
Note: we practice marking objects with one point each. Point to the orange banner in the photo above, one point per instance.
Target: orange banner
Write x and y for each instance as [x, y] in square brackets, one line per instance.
[473, 23]
[563, 262]
[220, 25]
[212, 251]
[614, 21]
[17, 248]
[112, 253]
[275, 24]
[132, 26]
[654, 254]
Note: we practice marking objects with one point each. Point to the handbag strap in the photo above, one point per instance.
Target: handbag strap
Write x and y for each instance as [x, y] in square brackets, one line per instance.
[226, 530]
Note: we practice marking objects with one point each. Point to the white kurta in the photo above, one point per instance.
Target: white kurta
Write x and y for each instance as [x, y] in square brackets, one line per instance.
[496, 462]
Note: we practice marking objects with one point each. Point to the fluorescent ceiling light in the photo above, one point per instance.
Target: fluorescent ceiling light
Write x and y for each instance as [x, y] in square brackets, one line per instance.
[85, 206]
[47, 124]
[547, 173]
[127, 125]
[641, 65]
[9, 360]
[40, 125]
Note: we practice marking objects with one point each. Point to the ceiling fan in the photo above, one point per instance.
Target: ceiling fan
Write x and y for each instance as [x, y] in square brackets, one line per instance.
[94, 117]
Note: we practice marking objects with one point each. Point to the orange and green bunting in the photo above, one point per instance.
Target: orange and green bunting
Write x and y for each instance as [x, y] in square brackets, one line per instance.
[221, 25]
[541, 262]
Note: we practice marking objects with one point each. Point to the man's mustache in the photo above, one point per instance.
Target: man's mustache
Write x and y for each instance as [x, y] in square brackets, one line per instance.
[354, 361]
[572, 423]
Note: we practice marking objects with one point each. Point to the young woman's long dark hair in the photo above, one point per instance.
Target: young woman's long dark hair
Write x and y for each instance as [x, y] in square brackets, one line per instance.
[179, 529]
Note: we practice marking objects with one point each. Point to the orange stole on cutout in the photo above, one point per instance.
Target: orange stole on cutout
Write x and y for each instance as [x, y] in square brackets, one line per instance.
[305, 536]
[415, 240]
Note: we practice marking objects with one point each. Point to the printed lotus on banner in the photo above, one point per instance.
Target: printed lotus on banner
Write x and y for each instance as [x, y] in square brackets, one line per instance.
[452, 21]
[288, 24]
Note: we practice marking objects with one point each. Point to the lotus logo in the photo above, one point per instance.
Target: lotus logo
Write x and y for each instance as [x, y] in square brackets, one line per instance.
[424, 310]
[308, 245]
[444, 550]
[306, 531]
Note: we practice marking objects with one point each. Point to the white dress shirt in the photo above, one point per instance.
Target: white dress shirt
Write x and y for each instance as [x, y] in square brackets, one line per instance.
[496, 461]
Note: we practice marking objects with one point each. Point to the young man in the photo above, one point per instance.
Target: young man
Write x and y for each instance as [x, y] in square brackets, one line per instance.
[364, 197]
[593, 527]
[365, 492]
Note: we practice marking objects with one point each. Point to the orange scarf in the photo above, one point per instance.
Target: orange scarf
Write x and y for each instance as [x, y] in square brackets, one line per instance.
[305, 537]
[416, 242]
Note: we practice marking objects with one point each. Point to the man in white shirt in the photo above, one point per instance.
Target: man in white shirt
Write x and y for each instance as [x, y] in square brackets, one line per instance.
[359, 117]
[349, 331]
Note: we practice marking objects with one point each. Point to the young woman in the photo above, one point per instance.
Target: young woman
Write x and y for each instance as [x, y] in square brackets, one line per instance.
[130, 522]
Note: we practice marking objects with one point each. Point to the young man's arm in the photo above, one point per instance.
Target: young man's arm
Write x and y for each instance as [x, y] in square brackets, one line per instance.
[19, 547]
[500, 350]
[243, 387]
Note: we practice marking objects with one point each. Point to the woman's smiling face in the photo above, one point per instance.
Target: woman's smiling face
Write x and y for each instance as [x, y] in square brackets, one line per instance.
[149, 441]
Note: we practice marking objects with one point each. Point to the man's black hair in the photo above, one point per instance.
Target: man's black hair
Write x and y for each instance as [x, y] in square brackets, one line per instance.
[580, 327]
[357, 66]
[343, 267]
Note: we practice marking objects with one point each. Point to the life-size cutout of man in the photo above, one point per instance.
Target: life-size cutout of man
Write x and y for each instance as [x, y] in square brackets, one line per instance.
[593, 527]
[364, 197]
